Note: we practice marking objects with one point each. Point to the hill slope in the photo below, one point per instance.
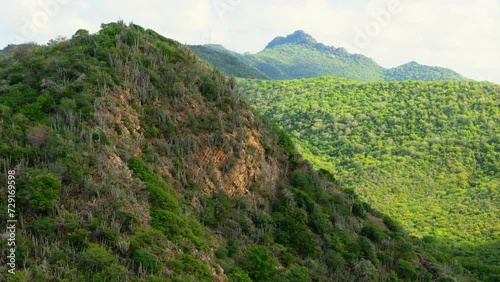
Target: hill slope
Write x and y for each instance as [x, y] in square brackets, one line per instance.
[135, 161]
[299, 55]
[227, 63]
[427, 154]
[416, 71]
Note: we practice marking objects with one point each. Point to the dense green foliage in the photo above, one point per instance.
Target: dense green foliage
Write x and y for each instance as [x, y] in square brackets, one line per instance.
[42, 192]
[427, 154]
[299, 56]
[227, 63]
[136, 161]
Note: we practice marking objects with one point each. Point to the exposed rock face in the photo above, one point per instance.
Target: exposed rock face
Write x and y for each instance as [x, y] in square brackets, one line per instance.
[234, 173]
[298, 37]
[211, 167]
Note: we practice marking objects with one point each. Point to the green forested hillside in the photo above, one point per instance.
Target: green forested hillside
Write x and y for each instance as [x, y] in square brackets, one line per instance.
[416, 71]
[135, 161]
[426, 153]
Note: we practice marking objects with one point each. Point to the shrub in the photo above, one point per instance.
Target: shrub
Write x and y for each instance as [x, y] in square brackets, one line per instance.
[292, 230]
[146, 259]
[303, 199]
[358, 210]
[368, 208]
[117, 272]
[160, 194]
[384, 257]
[287, 258]
[233, 247]
[96, 258]
[77, 167]
[107, 236]
[286, 142]
[404, 250]
[187, 264]
[216, 209]
[334, 260]
[297, 274]
[237, 274]
[372, 232]
[79, 238]
[364, 270]
[5, 111]
[300, 181]
[168, 222]
[45, 228]
[38, 136]
[221, 252]
[259, 263]
[209, 88]
[151, 238]
[151, 132]
[391, 223]
[71, 224]
[42, 191]
[128, 220]
[39, 274]
[367, 249]
[406, 270]
[319, 222]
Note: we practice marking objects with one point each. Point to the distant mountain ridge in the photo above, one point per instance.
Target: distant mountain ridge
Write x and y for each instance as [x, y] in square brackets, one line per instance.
[299, 55]
[298, 37]
[227, 62]
[416, 71]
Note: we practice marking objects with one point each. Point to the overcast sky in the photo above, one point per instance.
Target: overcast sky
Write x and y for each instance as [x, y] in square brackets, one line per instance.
[463, 35]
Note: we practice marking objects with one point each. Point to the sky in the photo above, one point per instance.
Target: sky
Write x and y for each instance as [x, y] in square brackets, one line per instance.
[462, 35]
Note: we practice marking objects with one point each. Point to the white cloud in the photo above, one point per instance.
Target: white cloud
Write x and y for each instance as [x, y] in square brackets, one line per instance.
[458, 34]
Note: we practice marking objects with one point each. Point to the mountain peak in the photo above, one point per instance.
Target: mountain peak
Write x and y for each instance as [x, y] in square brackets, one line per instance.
[298, 37]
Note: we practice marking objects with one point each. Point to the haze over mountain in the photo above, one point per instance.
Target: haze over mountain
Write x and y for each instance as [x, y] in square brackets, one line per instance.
[299, 55]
